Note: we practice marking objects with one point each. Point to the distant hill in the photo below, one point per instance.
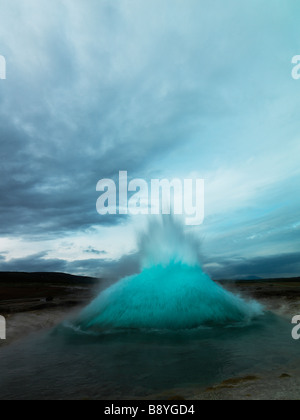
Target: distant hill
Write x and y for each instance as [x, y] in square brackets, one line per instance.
[54, 278]
[254, 279]
[63, 278]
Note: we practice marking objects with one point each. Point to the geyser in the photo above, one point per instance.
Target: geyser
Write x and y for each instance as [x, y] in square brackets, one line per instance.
[171, 292]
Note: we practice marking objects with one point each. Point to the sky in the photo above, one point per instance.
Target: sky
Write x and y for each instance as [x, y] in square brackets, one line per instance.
[161, 89]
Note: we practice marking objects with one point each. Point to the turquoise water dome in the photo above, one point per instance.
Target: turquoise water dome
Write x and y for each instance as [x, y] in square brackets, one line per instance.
[171, 291]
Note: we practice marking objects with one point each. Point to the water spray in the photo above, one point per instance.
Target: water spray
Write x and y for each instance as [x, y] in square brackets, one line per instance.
[171, 292]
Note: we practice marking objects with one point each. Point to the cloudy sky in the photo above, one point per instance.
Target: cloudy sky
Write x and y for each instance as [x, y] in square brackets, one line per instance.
[162, 89]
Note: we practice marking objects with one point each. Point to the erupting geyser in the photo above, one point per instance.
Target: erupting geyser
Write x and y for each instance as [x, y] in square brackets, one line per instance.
[171, 292]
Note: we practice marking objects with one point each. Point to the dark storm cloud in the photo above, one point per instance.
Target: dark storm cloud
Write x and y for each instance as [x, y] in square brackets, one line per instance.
[48, 178]
[69, 119]
[92, 89]
[91, 250]
[151, 87]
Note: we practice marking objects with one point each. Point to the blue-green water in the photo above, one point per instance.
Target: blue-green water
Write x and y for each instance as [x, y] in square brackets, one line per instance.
[176, 296]
[133, 363]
